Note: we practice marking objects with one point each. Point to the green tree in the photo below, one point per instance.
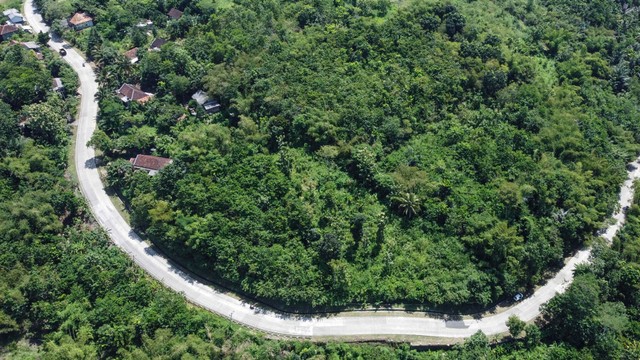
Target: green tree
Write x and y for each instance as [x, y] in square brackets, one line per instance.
[94, 42]
[46, 123]
[101, 141]
[532, 336]
[515, 325]
[20, 85]
[407, 203]
[9, 130]
[475, 347]
[43, 38]
[118, 172]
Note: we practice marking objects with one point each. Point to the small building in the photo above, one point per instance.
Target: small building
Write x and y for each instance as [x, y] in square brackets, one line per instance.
[175, 14]
[14, 16]
[27, 29]
[210, 106]
[145, 24]
[128, 92]
[132, 55]
[157, 44]
[6, 31]
[56, 85]
[31, 45]
[10, 11]
[151, 164]
[80, 21]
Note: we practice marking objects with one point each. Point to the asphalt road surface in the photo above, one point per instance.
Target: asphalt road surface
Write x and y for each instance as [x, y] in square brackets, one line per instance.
[362, 325]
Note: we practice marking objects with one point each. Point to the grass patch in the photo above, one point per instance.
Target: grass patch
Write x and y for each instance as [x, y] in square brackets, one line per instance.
[8, 4]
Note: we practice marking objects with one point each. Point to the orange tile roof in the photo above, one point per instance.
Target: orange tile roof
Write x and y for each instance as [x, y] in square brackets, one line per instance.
[80, 18]
[131, 54]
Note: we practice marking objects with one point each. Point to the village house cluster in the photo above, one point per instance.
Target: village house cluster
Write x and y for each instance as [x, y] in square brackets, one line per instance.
[127, 92]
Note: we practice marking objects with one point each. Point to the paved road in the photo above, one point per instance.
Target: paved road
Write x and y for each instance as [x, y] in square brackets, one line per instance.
[344, 324]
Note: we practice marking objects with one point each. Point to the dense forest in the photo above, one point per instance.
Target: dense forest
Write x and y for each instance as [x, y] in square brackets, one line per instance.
[67, 293]
[368, 152]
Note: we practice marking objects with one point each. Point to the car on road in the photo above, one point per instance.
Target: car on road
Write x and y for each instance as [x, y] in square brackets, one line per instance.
[518, 297]
[63, 52]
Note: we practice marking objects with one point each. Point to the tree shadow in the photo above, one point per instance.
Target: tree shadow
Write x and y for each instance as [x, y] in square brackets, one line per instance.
[91, 163]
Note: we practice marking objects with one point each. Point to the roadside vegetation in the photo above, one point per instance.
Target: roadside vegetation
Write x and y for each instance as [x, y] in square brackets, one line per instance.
[67, 293]
[442, 154]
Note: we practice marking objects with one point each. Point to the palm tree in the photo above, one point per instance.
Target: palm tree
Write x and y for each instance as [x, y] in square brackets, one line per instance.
[408, 203]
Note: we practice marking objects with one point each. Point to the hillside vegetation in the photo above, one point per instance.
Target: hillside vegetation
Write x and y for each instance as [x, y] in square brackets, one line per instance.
[257, 169]
[444, 154]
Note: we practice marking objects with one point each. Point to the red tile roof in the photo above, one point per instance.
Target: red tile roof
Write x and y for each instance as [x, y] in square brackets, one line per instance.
[129, 92]
[175, 14]
[7, 29]
[149, 162]
[131, 54]
[80, 18]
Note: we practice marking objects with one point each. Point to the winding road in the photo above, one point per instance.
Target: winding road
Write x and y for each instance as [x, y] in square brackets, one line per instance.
[361, 325]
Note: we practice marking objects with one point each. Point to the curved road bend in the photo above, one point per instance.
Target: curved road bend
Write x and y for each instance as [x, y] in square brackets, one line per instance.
[361, 325]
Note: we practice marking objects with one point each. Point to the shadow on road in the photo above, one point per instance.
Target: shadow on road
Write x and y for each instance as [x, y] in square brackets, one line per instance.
[456, 324]
[91, 163]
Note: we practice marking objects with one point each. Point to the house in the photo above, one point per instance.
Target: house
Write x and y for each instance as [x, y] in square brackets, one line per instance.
[145, 24]
[132, 55]
[56, 85]
[80, 21]
[210, 106]
[31, 45]
[129, 92]
[6, 31]
[157, 43]
[175, 14]
[14, 16]
[150, 163]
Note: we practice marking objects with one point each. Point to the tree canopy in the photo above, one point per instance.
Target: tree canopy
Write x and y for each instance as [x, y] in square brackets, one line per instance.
[447, 154]
[438, 154]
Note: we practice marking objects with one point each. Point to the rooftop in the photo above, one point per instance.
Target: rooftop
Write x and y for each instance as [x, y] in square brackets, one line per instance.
[7, 29]
[31, 45]
[200, 97]
[206, 102]
[10, 12]
[157, 43]
[129, 92]
[144, 23]
[80, 18]
[150, 162]
[15, 18]
[56, 84]
[175, 14]
[132, 55]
